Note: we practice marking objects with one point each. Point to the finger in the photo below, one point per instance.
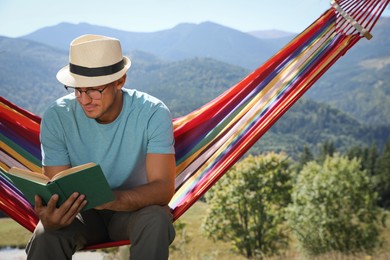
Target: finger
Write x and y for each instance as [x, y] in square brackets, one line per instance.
[65, 207]
[38, 203]
[103, 206]
[75, 209]
[82, 205]
[59, 217]
[52, 204]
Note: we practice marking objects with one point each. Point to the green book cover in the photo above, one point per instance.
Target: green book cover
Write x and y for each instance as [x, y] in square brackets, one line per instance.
[87, 179]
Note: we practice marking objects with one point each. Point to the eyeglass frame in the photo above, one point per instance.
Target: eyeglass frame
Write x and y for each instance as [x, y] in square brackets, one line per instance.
[78, 90]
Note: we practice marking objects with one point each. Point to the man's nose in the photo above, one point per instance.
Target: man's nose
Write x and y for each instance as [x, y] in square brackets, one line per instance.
[84, 98]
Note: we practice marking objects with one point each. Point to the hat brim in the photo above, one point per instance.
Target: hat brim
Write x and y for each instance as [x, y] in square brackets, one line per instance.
[73, 80]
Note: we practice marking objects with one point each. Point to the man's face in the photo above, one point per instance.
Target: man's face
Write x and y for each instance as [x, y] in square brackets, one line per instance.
[102, 103]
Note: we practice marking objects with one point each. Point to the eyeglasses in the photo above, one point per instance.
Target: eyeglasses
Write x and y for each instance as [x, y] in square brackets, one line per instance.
[92, 92]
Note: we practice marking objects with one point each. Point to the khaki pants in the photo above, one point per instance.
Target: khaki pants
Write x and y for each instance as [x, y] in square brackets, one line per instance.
[150, 231]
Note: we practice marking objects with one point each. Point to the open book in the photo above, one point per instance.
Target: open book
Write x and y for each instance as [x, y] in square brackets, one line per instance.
[87, 179]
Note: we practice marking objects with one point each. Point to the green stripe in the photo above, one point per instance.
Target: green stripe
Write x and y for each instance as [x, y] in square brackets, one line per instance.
[28, 156]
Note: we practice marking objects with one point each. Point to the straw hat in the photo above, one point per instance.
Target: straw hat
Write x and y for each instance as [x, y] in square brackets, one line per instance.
[94, 60]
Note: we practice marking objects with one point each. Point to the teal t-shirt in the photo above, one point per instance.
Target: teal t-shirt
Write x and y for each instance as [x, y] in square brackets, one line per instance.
[144, 126]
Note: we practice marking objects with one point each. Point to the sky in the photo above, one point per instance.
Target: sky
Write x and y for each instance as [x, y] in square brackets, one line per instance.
[20, 17]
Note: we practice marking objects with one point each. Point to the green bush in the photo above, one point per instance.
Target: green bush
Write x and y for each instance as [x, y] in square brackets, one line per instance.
[247, 206]
[334, 208]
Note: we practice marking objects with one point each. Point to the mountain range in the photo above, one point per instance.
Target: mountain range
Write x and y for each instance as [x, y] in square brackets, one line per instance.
[190, 64]
[183, 41]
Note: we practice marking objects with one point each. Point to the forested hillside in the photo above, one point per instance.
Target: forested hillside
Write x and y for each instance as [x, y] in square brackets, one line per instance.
[348, 106]
[27, 73]
[359, 83]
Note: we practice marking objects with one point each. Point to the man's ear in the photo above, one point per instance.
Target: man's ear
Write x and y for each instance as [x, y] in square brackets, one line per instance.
[122, 81]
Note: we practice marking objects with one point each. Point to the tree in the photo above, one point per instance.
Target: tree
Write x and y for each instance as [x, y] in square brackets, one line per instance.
[371, 161]
[247, 205]
[334, 208]
[327, 149]
[368, 157]
[306, 156]
[382, 177]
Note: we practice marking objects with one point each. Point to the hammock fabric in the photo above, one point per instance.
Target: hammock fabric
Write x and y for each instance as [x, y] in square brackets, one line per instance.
[212, 138]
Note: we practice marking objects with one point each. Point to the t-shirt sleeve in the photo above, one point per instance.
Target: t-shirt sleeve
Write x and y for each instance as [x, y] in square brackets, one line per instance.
[160, 132]
[53, 148]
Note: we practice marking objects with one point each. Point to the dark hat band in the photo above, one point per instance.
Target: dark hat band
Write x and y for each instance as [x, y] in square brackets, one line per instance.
[96, 72]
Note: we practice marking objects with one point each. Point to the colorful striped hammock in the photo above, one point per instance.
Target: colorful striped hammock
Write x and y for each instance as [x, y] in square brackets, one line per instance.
[214, 137]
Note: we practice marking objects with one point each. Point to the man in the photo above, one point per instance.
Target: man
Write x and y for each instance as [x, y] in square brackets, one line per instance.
[128, 133]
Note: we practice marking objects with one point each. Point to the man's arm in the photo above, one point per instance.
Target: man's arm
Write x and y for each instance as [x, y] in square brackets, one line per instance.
[160, 170]
[50, 171]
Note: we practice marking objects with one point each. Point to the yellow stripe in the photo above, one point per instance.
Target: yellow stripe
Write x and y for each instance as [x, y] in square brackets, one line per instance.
[4, 167]
[281, 79]
[277, 79]
[31, 166]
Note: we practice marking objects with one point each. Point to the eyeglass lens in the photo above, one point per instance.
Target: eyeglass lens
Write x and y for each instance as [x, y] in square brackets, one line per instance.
[92, 93]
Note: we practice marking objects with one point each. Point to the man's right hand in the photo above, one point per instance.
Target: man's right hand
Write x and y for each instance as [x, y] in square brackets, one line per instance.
[53, 218]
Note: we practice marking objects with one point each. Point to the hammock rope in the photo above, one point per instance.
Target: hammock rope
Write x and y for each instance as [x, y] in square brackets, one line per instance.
[212, 138]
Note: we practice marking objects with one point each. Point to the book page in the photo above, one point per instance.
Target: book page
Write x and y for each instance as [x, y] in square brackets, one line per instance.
[72, 170]
[29, 175]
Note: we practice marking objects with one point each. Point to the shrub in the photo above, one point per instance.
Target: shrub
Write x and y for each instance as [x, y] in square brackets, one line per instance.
[334, 208]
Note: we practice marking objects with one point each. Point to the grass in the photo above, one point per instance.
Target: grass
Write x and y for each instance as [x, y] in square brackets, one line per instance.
[12, 234]
[198, 246]
[190, 242]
